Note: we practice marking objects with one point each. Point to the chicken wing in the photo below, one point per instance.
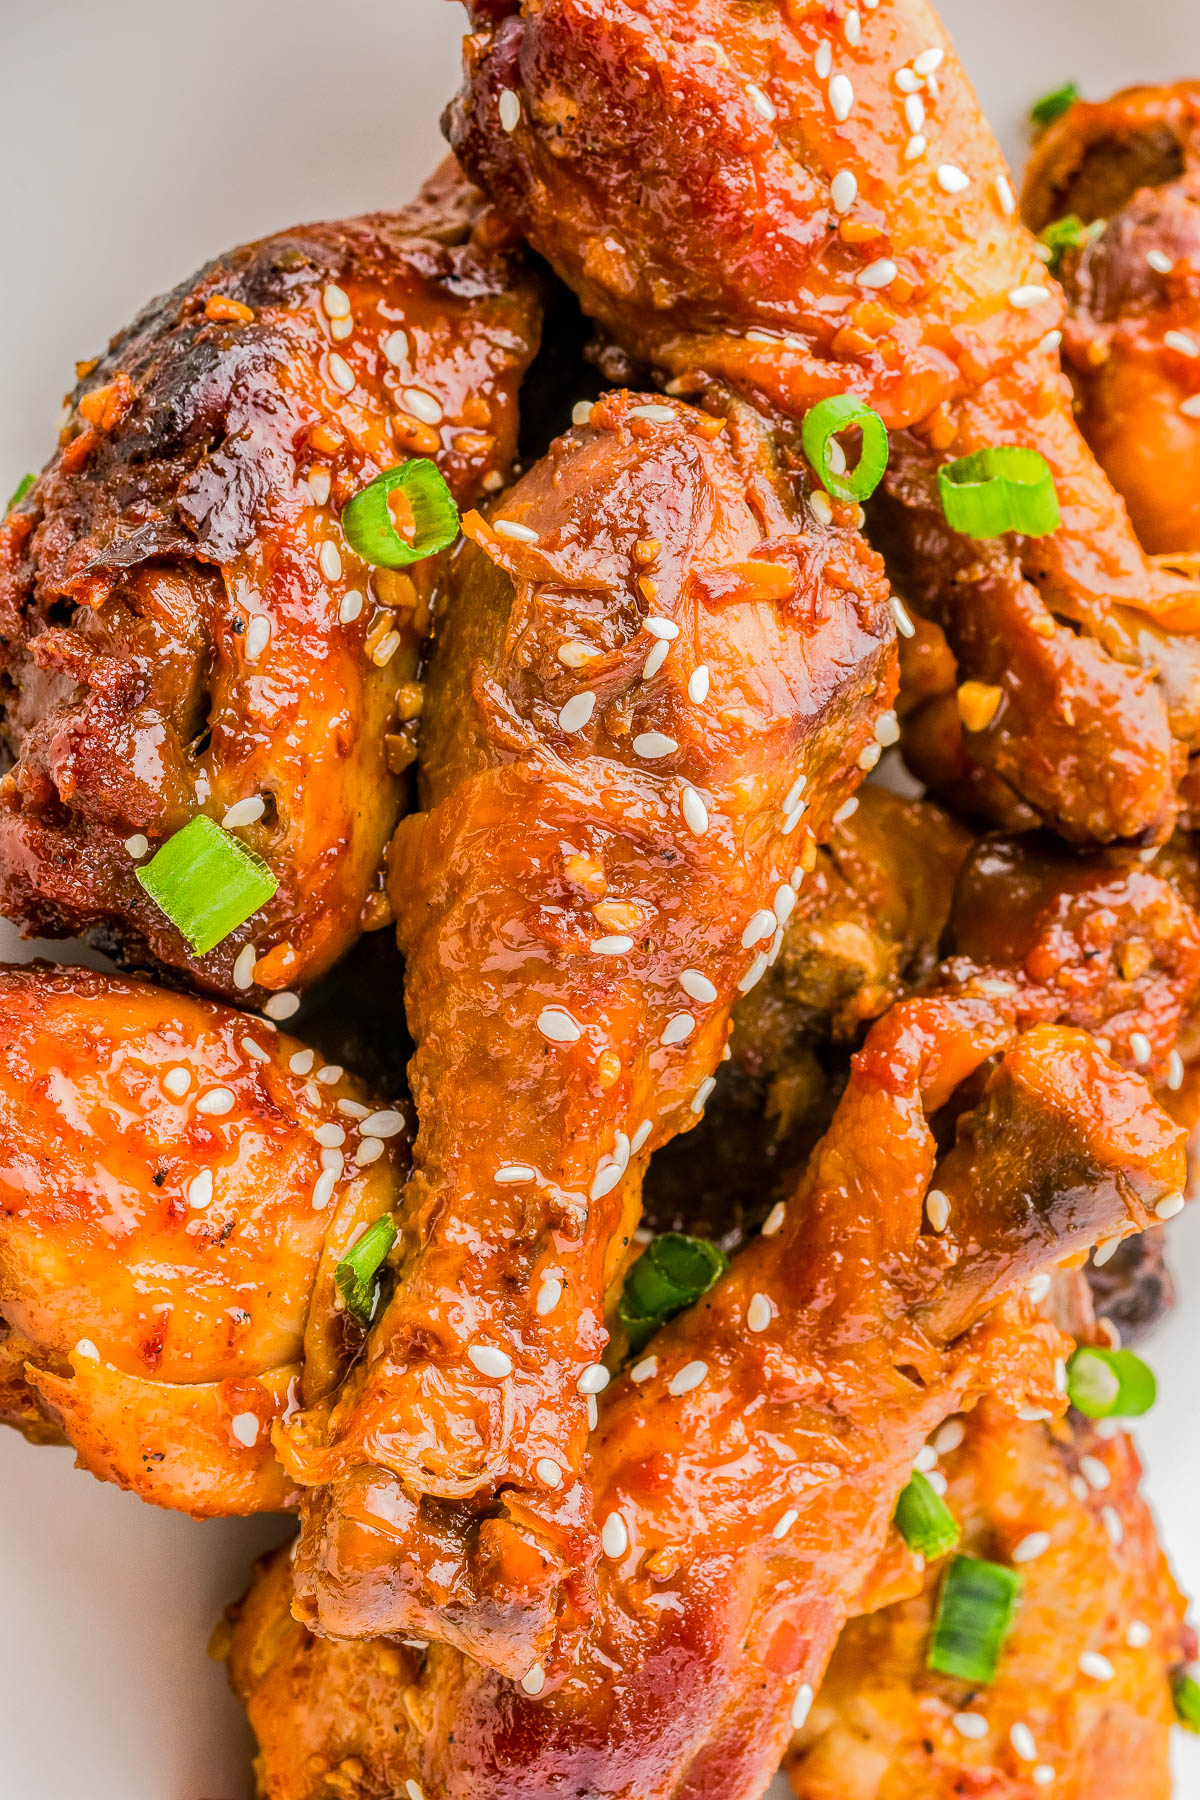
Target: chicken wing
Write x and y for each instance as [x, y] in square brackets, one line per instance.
[655, 681]
[752, 198]
[177, 1184]
[746, 1469]
[183, 628]
[1118, 183]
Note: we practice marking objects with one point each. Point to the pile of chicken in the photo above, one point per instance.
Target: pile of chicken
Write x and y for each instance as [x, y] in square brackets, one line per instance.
[667, 962]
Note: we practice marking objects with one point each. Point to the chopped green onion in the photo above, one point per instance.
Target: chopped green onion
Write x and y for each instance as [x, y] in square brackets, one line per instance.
[822, 425]
[1110, 1384]
[924, 1520]
[1003, 488]
[1052, 106]
[975, 1610]
[404, 515]
[357, 1275]
[1185, 1691]
[672, 1272]
[19, 492]
[1067, 233]
[206, 882]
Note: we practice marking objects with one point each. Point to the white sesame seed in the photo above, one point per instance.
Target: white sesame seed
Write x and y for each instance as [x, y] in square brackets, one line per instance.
[422, 406]
[1171, 1205]
[512, 528]
[879, 274]
[697, 687]
[654, 662]
[369, 1151]
[384, 1124]
[177, 1081]
[1097, 1666]
[395, 348]
[319, 485]
[801, 1706]
[701, 1096]
[904, 624]
[653, 744]
[282, 1006]
[763, 107]
[1043, 1775]
[1031, 294]
[852, 26]
[258, 636]
[1004, 194]
[489, 1360]
[1032, 1546]
[843, 190]
[1174, 1071]
[687, 1378]
[353, 1109]
[936, 1480]
[907, 80]
[611, 946]
[581, 412]
[937, 1209]
[970, 1724]
[644, 1370]
[385, 649]
[1137, 1634]
[823, 60]
[952, 179]
[341, 329]
[243, 968]
[1032, 1414]
[255, 1051]
[614, 1536]
[323, 1188]
[340, 372]
[594, 1379]
[1183, 341]
[1023, 1741]
[761, 925]
[1190, 408]
[86, 1350]
[575, 655]
[336, 301]
[821, 507]
[509, 108]
[1140, 1047]
[351, 607]
[333, 1162]
[330, 560]
[1104, 1251]
[331, 1136]
[784, 903]
[774, 1219]
[659, 627]
[869, 757]
[606, 1178]
[556, 1024]
[784, 1523]
[792, 797]
[841, 96]
[137, 845]
[302, 1062]
[949, 1437]
[846, 810]
[550, 1292]
[411, 1788]
[1159, 262]
[200, 1190]
[1110, 1518]
[1079, 1488]
[244, 812]
[534, 1680]
[926, 1459]
[1094, 1472]
[697, 986]
[929, 60]
[217, 1101]
[244, 1427]
[695, 813]
[915, 147]
[754, 973]
[641, 1135]
[547, 1470]
[758, 1313]
[1038, 1288]
[578, 710]
[914, 112]
[678, 1029]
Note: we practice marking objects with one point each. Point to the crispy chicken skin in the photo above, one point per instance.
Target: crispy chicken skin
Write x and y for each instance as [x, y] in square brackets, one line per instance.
[676, 163]
[747, 1477]
[642, 717]
[169, 1224]
[183, 626]
[1130, 166]
[883, 1725]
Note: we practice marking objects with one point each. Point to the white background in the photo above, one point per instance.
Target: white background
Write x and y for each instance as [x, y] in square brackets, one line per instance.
[137, 138]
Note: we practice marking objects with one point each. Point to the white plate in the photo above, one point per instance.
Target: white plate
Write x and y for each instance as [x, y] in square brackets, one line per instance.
[137, 138]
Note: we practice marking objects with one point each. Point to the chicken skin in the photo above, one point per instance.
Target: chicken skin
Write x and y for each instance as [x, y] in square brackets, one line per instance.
[741, 199]
[177, 1184]
[1081, 1705]
[655, 681]
[746, 1469]
[183, 627]
[1125, 175]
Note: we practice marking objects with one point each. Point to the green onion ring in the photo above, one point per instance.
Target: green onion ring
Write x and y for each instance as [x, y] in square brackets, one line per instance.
[924, 1520]
[1052, 106]
[671, 1273]
[1110, 1384]
[822, 425]
[19, 492]
[370, 530]
[1003, 488]
[975, 1611]
[357, 1274]
[207, 882]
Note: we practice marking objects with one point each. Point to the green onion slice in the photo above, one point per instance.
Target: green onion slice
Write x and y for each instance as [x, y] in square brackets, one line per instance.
[672, 1272]
[1052, 106]
[357, 1275]
[19, 492]
[206, 882]
[924, 1520]
[1067, 233]
[404, 515]
[822, 425]
[1110, 1384]
[975, 1611]
[1004, 488]
[1185, 1691]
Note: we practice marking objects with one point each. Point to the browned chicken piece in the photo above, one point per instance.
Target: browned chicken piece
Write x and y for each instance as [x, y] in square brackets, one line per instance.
[736, 215]
[184, 629]
[746, 1469]
[1124, 175]
[1081, 1706]
[655, 681]
[177, 1184]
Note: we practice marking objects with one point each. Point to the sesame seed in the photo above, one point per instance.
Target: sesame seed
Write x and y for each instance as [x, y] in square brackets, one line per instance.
[217, 1101]
[594, 1379]
[929, 61]
[385, 649]
[1005, 196]
[644, 1370]
[1104, 1251]
[353, 1109]
[302, 1062]
[754, 973]
[413, 1790]
[610, 946]
[914, 112]
[697, 687]
[937, 1209]
[549, 1293]
[761, 925]
[511, 528]
[258, 636]
[1190, 408]
[578, 710]
[333, 1163]
[200, 1190]
[846, 810]
[509, 108]
[244, 812]
[774, 1219]
[614, 1536]
[823, 60]
[1031, 294]
[319, 485]
[330, 1136]
[1032, 1546]
[1094, 1472]
[952, 179]
[1097, 1666]
[1023, 1741]
[678, 1029]
[852, 26]
[879, 274]
[949, 1437]
[282, 1006]
[177, 1081]
[1140, 1047]
[915, 147]
[641, 1135]
[1038, 1288]
[1160, 263]
[369, 1151]
[336, 301]
[906, 80]
[904, 624]
[331, 561]
[534, 1680]
[654, 662]
[695, 813]
[1043, 1775]
[784, 903]
[869, 757]
[576, 655]
[926, 1459]
[395, 348]
[653, 744]
[547, 1470]
[821, 507]
[758, 1313]
[341, 329]
[1183, 341]
[555, 1023]
[841, 96]
[489, 1360]
[801, 1705]
[340, 373]
[581, 412]
[1137, 1634]
[244, 1427]
[137, 845]
[792, 797]
[659, 627]
[1174, 1071]
[1168, 1207]
[687, 1378]
[697, 986]
[383, 1124]
[351, 607]
[323, 1188]
[1110, 1518]
[1032, 1414]
[970, 1724]
[701, 1096]
[255, 1051]
[606, 1178]
[422, 406]
[843, 190]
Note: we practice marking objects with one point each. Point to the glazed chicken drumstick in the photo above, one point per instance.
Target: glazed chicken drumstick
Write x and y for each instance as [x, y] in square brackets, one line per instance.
[794, 203]
[655, 680]
[184, 629]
